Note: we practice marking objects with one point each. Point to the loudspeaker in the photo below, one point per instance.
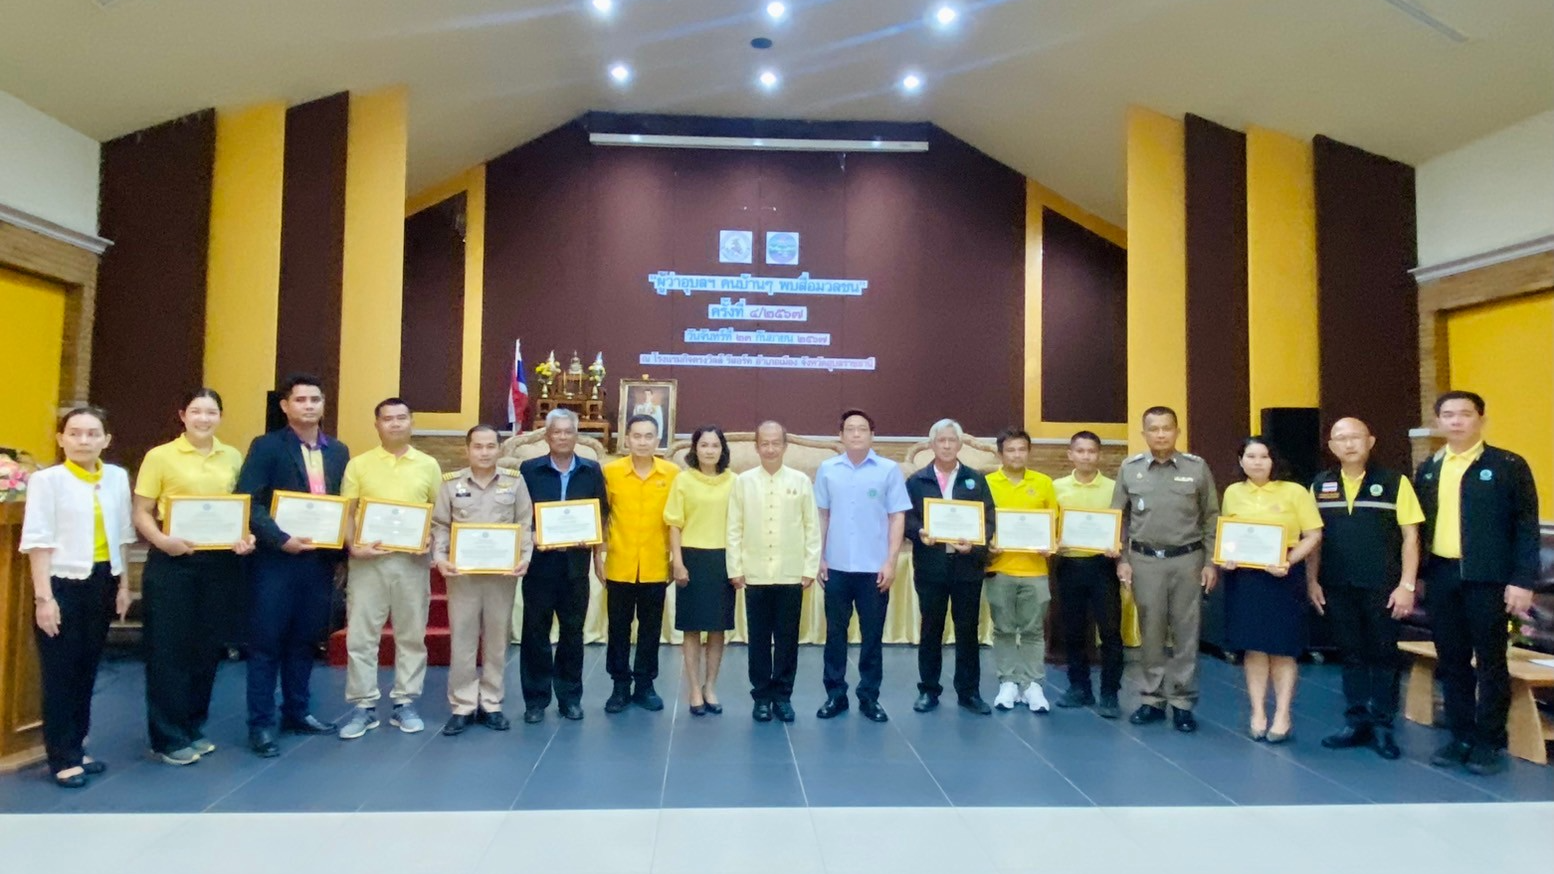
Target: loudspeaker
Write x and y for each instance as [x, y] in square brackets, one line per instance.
[1296, 436]
[274, 418]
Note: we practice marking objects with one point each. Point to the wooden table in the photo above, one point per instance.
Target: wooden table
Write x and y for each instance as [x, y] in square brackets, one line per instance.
[1526, 728]
[21, 695]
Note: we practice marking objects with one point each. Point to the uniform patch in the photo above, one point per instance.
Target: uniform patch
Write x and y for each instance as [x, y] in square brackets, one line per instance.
[1376, 490]
[874, 493]
[969, 483]
[1183, 479]
[1141, 505]
[1332, 487]
[1486, 475]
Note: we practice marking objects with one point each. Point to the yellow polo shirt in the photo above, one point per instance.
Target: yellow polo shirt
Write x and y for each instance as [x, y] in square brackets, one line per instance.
[101, 550]
[1447, 541]
[1033, 491]
[177, 469]
[698, 506]
[378, 473]
[637, 545]
[1075, 495]
[1280, 501]
[1408, 510]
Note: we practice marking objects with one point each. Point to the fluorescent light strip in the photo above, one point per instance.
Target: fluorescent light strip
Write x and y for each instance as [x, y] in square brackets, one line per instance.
[757, 143]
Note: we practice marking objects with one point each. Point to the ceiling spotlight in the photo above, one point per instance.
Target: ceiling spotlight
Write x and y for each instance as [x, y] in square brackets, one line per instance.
[945, 15]
[603, 7]
[768, 79]
[911, 82]
[620, 73]
[776, 10]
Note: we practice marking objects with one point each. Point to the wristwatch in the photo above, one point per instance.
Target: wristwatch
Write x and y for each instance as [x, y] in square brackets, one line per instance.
[1406, 585]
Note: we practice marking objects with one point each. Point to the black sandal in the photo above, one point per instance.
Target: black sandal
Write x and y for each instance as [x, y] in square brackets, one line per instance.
[71, 778]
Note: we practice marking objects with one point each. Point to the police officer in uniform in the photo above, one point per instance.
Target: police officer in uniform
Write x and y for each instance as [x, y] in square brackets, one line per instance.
[1363, 579]
[1169, 511]
[480, 606]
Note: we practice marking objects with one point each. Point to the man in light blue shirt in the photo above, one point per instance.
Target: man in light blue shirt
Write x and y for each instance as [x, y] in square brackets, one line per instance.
[863, 502]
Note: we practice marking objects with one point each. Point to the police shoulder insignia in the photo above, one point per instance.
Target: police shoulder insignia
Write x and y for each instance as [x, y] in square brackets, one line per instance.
[1138, 457]
[450, 477]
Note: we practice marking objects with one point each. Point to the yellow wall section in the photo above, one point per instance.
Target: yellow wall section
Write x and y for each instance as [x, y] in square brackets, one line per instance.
[30, 358]
[1157, 270]
[374, 261]
[1037, 197]
[244, 266]
[1281, 238]
[473, 185]
[1505, 352]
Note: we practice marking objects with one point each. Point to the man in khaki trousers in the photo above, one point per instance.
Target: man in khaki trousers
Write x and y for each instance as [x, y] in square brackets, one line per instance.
[384, 584]
[480, 605]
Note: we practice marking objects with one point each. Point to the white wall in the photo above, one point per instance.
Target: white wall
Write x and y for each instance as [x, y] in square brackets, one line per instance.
[47, 168]
[1493, 192]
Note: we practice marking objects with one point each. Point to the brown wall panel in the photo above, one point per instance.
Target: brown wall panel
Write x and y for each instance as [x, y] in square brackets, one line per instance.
[148, 342]
[1084, 324]
[430, 366]
[1368, 330]
[1218, 389]
[313, 244]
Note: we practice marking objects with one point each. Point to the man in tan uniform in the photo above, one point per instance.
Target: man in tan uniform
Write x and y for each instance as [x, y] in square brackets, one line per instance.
[480, 605]
[1169, 511]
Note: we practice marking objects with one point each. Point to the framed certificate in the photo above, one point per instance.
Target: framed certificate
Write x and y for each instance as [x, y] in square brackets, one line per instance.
[1024, 530]
[485, 549]
[397, 526]
[1090, 530]
[1249, 544]
[952, 521]
[319, 518]
[568, 523]
[216, 522]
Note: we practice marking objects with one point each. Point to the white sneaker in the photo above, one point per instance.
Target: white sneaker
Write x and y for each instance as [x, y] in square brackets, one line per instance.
[1008, 696]
[1036, 699]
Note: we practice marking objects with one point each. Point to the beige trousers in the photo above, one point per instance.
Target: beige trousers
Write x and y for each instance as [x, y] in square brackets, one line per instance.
[1169, 594]
[479, 606]
[396, 587]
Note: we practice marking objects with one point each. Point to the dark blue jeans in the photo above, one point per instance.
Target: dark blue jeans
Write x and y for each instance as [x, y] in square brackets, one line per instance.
[288, 614]
[846, 591]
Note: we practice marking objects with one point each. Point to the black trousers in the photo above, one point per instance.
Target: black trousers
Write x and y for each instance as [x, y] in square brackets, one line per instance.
[288, 614]
[1368, 636]
[552, 599]
[68, 662]
[184, 599]
[1468, 622]
[963, 599]
[1089, 593]
[846, 591]
[643, 602]
[772, 615]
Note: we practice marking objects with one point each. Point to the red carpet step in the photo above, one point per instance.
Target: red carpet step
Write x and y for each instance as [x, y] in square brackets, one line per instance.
[438, 641]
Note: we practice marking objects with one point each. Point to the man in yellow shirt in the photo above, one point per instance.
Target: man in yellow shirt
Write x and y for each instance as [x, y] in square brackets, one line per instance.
[636, 564]
[384, 585]
[1088, 589]
[1018, 588]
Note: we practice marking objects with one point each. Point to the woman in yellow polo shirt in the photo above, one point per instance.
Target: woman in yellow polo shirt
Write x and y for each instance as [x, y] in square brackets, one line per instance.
[697, 516]
[185, 593]
[1265, 609]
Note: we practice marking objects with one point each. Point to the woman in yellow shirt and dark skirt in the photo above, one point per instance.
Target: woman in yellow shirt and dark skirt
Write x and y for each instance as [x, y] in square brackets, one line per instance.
[1265, 609]
[186, 593]
[697, 516]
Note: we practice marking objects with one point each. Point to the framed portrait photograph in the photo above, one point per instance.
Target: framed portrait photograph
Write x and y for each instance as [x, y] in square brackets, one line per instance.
[648, 397]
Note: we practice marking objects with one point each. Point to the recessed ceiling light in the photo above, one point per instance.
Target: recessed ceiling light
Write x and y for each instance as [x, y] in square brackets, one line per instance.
[776, 10]
[603, 7]
[620, 73]
[911, 82]
[945, 15]
[768, 79]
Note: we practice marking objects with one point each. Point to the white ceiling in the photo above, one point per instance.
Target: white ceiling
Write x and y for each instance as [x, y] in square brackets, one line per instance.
[1041, 85]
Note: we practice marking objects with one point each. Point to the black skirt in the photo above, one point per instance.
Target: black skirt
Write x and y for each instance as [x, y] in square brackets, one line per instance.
[1265, 613]
[706, 603]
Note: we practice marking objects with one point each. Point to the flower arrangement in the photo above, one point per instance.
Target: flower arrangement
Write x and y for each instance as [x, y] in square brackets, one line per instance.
[13, 475]
[546, 371]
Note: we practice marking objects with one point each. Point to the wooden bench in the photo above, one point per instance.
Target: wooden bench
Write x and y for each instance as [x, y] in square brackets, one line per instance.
[1527, 729]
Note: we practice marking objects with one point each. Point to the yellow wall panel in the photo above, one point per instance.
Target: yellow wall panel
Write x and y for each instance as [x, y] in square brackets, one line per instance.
[1157, 270]
[30, 357]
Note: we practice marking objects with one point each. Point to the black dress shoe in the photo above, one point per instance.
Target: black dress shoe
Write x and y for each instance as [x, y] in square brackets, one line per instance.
[1347, 737]
[1146, 714]
[1453, 753]
[74, 781]
[92, 767]
[1108, 708]
[1186, 723]
[262, 742]
[457, 723]
[1076, 697]
[309, 724]
[534, 715]
[975, 704]
[571, 710]
[783, 711]
[1487, 761]
[832, 707]
[619, 699]
[646, 698]
[1385, 746]
[494, 720]
[924, 703]
[872, 710]
[761, 712]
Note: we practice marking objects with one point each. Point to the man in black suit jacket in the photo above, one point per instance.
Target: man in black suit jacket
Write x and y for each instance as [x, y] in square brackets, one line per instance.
[948, 574]
[292, 580]
[556, 587]
[1480, 562]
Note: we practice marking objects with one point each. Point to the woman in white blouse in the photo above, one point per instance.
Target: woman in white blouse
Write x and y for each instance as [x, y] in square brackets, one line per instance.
[75, 532]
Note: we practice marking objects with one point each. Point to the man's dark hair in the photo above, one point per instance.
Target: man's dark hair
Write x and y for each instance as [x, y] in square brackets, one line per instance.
[848, 414]
[469, 436]
[1013, 434]
[1474, 397]
[1085, 435]
[291, 382]
[1160, 411]
[391, 402]
[691, 460]
[642, 417]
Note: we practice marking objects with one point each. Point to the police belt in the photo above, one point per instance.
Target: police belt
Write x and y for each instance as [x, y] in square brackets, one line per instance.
[1165, 551]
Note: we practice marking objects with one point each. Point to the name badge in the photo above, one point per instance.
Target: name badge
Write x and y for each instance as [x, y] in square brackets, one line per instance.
[1184, 479]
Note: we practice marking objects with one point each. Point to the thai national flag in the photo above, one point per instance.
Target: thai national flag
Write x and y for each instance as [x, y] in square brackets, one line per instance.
[518, 396]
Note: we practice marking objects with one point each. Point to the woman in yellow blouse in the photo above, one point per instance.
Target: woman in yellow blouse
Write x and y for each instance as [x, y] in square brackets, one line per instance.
[697, 516]
[186, 593]
[1265, 609]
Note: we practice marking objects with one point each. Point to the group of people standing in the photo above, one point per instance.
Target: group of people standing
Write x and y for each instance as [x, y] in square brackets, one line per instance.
[1360, 541]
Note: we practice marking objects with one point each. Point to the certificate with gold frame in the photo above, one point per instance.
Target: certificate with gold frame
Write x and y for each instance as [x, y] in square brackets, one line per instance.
[568, 523]
[396, 526]
[485, 549]
[1024, 530]
[951, 521]
[212, 523]
[320, 519]
[1249, 544]
[1090, 531]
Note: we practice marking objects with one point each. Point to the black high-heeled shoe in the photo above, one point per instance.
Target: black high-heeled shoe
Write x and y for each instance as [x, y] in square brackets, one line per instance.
[715, 709]
[698, 709]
